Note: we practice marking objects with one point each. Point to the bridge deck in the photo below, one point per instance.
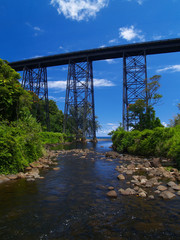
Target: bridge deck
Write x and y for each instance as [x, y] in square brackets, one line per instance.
[153, 47]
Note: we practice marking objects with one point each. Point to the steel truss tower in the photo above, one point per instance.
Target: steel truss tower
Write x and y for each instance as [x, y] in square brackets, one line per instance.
[79, 114]
[134, 84]
[35, 80]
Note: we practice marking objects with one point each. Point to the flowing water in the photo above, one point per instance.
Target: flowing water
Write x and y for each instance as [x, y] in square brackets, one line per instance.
[71, 203]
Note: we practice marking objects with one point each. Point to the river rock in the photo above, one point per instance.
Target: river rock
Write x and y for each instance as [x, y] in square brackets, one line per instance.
[171, 184]
[128, 191]
[161, 188]
[112, 194]
[56, 169]
[142, 194]
[12, 176]
[21, 175]
[167, 195]
[110, 188]
[155, 162]
[178, 193]
[121, 177]
[112, 154]
[3, 179]
[151, 197]
[176, 187]
[129, 172]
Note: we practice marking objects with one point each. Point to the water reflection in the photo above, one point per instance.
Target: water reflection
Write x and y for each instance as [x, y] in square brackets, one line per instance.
[71, 203]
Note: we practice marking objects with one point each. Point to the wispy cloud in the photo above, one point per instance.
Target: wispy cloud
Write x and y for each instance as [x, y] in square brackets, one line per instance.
[111, 61]
[140, 2]
[59, 99]
[157, 37]
[102, 46]
[79, 9]
[37, 30]
[171, 68]
[97, 83]
[130, 33]
[112, 41]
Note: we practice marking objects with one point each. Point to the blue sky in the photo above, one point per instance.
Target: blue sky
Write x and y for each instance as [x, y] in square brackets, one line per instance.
[34, 28]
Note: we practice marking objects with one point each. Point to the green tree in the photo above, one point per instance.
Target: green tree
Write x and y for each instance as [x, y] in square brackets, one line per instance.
[14, 100]
[176, 120]
[142, 113]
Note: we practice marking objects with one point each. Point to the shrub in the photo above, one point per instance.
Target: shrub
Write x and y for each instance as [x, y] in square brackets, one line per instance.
[160, 142]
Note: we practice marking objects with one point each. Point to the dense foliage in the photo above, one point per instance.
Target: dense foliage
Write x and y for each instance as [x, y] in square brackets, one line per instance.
[20, 144]
[141, 113]
[160, 142]
[22, 119]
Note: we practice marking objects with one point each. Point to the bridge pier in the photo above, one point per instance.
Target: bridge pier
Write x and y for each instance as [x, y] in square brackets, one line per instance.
[134, 83]
[35, 80]
[79, 114]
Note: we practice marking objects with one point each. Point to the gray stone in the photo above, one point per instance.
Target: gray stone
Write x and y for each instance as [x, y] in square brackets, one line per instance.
[171, 183]
[167, 195]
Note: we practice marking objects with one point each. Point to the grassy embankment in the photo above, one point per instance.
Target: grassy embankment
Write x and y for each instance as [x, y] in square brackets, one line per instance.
[159, 142]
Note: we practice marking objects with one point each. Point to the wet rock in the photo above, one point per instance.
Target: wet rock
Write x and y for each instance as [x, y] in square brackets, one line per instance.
[171, 190]
[155, 162]
[161, 188]
[176, 187]
[56, 169]
[129, 172]
[147, 164]
[157, 191]
[171, 184]
[142, 194]
[110, 188]
[112, 154]
[128, 191]
[121, 177]
[151, 197]
[30, 179]
[131, 167]
[21, 175]
[167, 195]
[143, 181]
[178, 193]
[3, 179]
[112, 194]
[28, 168]
[12, 176]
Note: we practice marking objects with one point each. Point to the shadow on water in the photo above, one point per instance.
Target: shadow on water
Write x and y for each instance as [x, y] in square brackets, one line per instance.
[71, 203]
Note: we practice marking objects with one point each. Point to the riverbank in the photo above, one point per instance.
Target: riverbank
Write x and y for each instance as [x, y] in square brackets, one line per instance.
[145, 178]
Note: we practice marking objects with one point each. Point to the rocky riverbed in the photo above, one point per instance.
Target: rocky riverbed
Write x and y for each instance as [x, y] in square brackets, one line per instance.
[145, 178]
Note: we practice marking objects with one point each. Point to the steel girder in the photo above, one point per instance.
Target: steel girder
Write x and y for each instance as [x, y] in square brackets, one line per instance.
[35, 80]
[134, 84]
[79, 114]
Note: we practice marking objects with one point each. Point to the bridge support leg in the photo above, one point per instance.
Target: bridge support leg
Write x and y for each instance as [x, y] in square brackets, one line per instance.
[35, 80]
[134, 84]
[79, 113]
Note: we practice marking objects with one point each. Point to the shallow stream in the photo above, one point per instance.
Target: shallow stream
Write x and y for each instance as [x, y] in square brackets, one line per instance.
[71, 203]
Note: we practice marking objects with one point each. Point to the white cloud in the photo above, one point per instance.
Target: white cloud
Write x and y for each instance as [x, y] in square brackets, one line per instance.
[164, 124]
[140, 2]
[157, 37]
[37, 30]
[59, 99]
[103, 83]
[130, 33]
[172, 68]
[113, 40]
[79, 9]
[107, 128]
[102, 46]
[57, 84]
[97, 83]
[110, 61]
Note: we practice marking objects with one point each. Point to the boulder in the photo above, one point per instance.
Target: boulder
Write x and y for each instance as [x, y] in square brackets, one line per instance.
[167, 195]
[112, 194]
[171, 184]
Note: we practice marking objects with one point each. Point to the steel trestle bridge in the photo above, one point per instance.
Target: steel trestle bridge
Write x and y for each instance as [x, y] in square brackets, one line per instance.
[79, 103]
